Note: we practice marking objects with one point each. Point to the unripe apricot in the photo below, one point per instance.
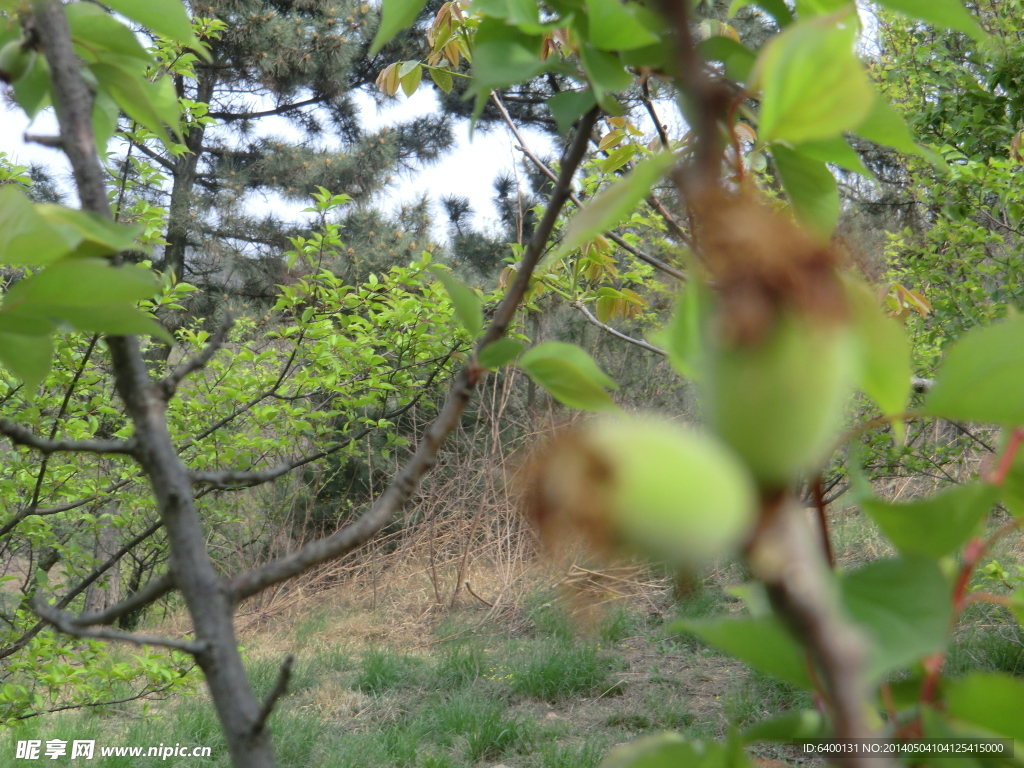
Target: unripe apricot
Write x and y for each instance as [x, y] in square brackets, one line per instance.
[15, 61]
[646, 486]
[779, 402]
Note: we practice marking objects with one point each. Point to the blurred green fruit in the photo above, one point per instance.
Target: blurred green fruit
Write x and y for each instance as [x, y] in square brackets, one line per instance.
[647, 486]
[15, 61]
[779, 403]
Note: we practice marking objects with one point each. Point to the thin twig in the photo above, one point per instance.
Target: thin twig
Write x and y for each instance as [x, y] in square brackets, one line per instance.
[280, 688]
[169, 384]
[617, 334]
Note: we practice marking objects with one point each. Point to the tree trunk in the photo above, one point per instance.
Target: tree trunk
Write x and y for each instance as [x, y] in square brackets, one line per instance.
[104, 592]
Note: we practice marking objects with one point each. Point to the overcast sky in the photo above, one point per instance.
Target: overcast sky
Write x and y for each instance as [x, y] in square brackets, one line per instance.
[468, 170]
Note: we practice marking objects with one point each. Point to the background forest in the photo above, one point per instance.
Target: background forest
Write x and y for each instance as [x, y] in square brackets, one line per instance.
[304, 360]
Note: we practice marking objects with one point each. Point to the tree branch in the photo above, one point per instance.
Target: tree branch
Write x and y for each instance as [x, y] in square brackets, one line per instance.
[23, 436]
[525, 149]
[65, 622]
[423, 459]
[280, 689]
[617, 334]
[230, 117]
[169, 384]
[150, 593]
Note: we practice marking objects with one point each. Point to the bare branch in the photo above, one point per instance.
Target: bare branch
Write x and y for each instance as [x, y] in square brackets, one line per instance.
[23, 436]
[169, 384]
[617, 334]
[150, 593]
[280, 688]
[423, 459]
[524, 148]
[65, 622]
[54, 142]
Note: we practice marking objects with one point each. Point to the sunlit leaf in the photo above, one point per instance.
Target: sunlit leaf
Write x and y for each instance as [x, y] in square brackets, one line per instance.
[28, 357]
[499, 353]
[812, 84]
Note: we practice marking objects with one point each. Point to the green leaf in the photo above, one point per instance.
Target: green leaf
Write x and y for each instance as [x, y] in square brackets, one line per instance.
[503, 56]
[570, 375]
[885, 126]
[569, 385]
[980, 377]
[883, 349]
[614, 203]
[618, 158]
[837, 152]
[904, 606]
[25, 236]
[989, 699]
[32, 92]
[777, 9]
[947, 14]
[151, 104]
[670, 750]
[95, 30]
[762, 643]
[468, 307]
[811, 189]
[682, 338]
[442, 78]
[99, 236]
[165, 17]
[568, 106]
[113, 319]
[813, 86]
[738, 59]
[604, 71]
[794, 724]
[572, 354]
[615, 27]
[499, 353]
[411, 80]
[105, 114]
[937, 525]
[28, 357]
[81, 283]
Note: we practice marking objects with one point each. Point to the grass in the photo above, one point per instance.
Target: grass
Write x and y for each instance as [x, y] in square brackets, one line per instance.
[558, 669]
[544, 695]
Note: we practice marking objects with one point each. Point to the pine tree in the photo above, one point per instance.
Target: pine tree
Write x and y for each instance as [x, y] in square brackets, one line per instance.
[300, 61]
